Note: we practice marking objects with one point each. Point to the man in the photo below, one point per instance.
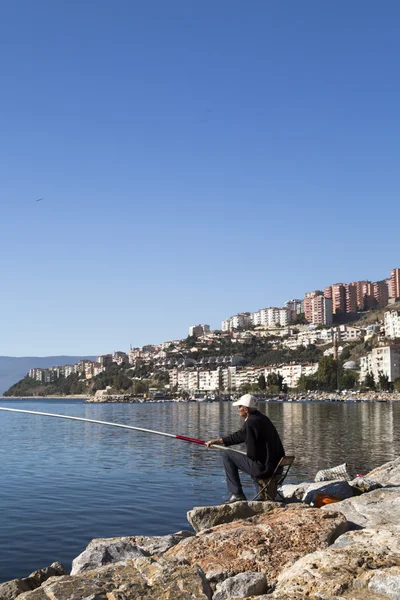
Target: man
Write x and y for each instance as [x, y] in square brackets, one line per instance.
[263, 448]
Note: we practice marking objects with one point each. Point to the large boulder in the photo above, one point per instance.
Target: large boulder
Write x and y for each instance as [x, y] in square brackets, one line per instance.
[337, 571]
[387, 540]
[387, 474]
[12, 589]
[140, 578]
[105, 551]
[204, 517]
[265, 543]
[241, 586]
[291, 492]
[386, 582]
[380, 508]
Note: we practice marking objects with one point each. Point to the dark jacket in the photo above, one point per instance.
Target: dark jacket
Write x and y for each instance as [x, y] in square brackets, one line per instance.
[263, 444]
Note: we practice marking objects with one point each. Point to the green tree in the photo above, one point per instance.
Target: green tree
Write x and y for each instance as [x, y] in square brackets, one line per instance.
[349, 380]
[261, 382]
[383, 382]
[369, 381]
[275, 382]
[328, 373]
[396, 384]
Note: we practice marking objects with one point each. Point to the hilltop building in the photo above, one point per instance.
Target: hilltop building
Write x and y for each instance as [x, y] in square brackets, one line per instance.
[395, 284]
[318, 308]
[385, 360]
[392, 324]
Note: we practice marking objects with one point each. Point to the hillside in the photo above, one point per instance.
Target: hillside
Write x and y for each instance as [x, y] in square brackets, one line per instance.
[372, 316]
[13, 369]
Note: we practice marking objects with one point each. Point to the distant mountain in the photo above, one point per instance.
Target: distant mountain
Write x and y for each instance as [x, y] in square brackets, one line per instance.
[12, 368]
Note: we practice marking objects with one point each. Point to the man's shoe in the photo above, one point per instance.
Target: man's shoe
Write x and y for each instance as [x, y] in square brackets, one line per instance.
[236, 498]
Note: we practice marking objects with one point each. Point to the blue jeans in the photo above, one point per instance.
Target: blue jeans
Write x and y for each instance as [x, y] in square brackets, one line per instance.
[233, 463]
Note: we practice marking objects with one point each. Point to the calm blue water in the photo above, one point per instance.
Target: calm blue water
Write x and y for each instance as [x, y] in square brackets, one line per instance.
[63, 483]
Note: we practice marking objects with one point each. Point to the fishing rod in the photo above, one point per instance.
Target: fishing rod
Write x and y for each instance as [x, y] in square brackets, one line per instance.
[184, 438]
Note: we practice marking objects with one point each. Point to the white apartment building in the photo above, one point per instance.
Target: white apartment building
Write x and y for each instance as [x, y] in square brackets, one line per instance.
[384, 359]
[210, 381]
[392, 324]
[296, 306]
[271, 317]
[198, 330]
[234, 378]
[239, 321]
[292, 373]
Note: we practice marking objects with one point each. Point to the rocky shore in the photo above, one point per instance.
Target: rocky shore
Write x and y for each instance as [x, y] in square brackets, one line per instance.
[287, 550]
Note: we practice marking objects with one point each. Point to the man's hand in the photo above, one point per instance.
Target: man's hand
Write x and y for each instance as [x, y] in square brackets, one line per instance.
[210, 443]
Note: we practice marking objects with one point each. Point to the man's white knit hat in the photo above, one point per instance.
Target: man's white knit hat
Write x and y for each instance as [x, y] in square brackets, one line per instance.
[246, 400]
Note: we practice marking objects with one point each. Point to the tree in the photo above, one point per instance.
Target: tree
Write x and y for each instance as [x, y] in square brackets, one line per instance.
[349, 380]
[345, 354]
[261, 382]
[369, 381]
[396, 384]
[274, 382]
[328, 373]
[383, 382]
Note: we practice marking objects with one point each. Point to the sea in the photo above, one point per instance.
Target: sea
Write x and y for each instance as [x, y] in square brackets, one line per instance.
[64, 482]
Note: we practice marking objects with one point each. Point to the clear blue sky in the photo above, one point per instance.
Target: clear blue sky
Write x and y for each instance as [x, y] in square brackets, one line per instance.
[196, 159]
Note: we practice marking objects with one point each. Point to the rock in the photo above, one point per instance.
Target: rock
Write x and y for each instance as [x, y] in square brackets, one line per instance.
[380, 508]
[241, 586]
[385, 539]
[340, 489]
[56, 569]
[105, 551]
[386, 582]
[265, 542]
[336, 571]
[204, 517]
[140, 578]
[387, 474]
[364, 485]
[294, 493]
[12, 589]
[160, 544]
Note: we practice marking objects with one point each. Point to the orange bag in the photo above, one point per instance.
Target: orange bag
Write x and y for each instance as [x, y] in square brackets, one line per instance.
[323, 499]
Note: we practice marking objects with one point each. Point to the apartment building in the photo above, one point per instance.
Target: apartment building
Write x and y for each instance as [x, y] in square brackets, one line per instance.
[198, 330]
[381, 292]
[292, 373]
[209, 380]
[351, 297]
[295, 306]
[384, 360]
[392, 324]
[395, 283]
[318, 308]
[239, 321]
[346, 333]
[234, 378]
[104, 360]
[271, 317]
[338, 298]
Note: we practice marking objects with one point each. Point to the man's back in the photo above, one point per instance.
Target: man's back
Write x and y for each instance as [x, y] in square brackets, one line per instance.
[263, 443]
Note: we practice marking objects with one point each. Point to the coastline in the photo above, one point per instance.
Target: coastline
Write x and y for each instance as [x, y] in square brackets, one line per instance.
[348, 545]
[55, 397]
[290, 397]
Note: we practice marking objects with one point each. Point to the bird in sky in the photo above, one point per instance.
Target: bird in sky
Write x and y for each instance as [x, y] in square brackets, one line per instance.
[39, 200]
